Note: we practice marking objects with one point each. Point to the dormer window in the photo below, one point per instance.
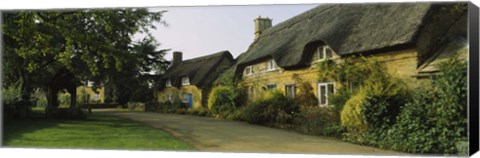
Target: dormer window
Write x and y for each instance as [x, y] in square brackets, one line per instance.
[271, 65]
[168, 83]
[248, 70]
[185, 81]
[323, 52]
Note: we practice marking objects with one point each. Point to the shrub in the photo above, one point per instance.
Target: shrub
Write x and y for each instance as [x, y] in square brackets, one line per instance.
[339, 98]
[10, 94]
[435, 121]
[64, 100]
[273, 109]
[221, 100]
[351, 116]
[319, 121]
[305, 95]
[136, 106]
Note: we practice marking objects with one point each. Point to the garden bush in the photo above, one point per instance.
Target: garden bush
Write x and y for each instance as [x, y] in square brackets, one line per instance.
[10, 94]
[221, 100]
[319, 121]
[274, 108]
[351, 116]
[435, 121]
[136, 106]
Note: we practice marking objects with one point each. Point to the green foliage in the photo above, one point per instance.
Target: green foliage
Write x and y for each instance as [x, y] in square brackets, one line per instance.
[305, 96]
[351, 116]
[350, 69]
[92, 44]
[221, 100]
[319, 121]
[227, 96]
[273, 108]
[64, 100]
[383, 101]
[435, 121]
[339, 98]
[226, 78]
[136, 106]
[10, 94]
[368, 97]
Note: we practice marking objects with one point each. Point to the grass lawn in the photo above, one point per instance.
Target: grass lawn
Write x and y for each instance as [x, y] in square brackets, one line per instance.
[97, 131]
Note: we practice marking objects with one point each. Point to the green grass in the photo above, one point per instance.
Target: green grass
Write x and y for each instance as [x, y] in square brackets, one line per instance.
[97, 131]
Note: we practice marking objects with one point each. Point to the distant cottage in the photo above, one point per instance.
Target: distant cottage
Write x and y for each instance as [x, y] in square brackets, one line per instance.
[191, 80]
[408, 38]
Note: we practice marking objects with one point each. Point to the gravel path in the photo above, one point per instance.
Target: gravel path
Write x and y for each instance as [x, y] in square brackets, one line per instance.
[209, 134]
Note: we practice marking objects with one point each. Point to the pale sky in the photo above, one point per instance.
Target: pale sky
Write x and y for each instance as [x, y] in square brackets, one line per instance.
[199, 31]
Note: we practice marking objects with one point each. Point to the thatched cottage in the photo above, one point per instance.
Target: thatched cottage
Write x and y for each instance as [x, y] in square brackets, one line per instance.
[408, 38]
[191, 80]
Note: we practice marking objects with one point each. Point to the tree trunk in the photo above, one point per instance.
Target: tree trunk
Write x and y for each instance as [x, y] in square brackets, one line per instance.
[23, 106]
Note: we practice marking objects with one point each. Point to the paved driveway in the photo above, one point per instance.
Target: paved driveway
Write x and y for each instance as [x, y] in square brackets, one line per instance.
[209, 134]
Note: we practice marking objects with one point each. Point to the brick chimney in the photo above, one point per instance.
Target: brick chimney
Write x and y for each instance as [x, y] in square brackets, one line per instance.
[177, 58]
[261, 24]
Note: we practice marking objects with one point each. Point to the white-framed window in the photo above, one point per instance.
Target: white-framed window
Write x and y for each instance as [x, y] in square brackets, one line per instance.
[271, 86]
[290, 91]
[170, 97]
[168, 83]
[323, 52]
[250, 91]
[185, 80]
[325, 90]
[271, 65]
[90, 83]
[96, 97]
[248, 70]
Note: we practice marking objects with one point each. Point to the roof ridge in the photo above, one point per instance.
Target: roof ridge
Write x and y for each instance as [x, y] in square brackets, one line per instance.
[205, 57]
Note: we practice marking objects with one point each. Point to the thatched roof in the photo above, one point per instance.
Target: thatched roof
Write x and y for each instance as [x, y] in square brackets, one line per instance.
[202, 71]
[346, 28]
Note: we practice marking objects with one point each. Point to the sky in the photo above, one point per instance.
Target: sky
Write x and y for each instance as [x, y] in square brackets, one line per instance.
[199, 31]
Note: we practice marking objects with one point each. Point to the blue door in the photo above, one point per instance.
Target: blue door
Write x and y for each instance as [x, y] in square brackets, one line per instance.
[188, 98]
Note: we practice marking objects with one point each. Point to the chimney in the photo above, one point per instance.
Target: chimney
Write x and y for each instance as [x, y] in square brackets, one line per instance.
[177, 58]
[261, 24]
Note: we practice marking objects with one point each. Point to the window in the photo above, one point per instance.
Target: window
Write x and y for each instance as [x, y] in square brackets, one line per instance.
[96, 97]
[248, 70]
[271, 65]
[250, 91]
[290, 91]
[170, 98]
[324, 90]
[271, 87]
[185, 81]
[168, 83]
[90, 83]
[323, 52]
[353, 85]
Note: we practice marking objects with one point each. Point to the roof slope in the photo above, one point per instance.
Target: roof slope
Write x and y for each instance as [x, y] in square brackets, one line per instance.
[346, 28]
[197, 69]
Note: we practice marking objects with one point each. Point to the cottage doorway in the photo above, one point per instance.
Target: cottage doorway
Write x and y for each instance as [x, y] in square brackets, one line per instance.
[188, 99]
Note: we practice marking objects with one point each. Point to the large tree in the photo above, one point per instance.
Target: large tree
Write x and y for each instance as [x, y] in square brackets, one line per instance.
[89, 43]
[135, 82]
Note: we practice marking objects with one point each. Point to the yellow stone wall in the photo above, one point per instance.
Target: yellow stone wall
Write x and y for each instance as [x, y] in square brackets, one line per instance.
[83, 90]
[178, 94]
[261, 78]
[401, 63]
